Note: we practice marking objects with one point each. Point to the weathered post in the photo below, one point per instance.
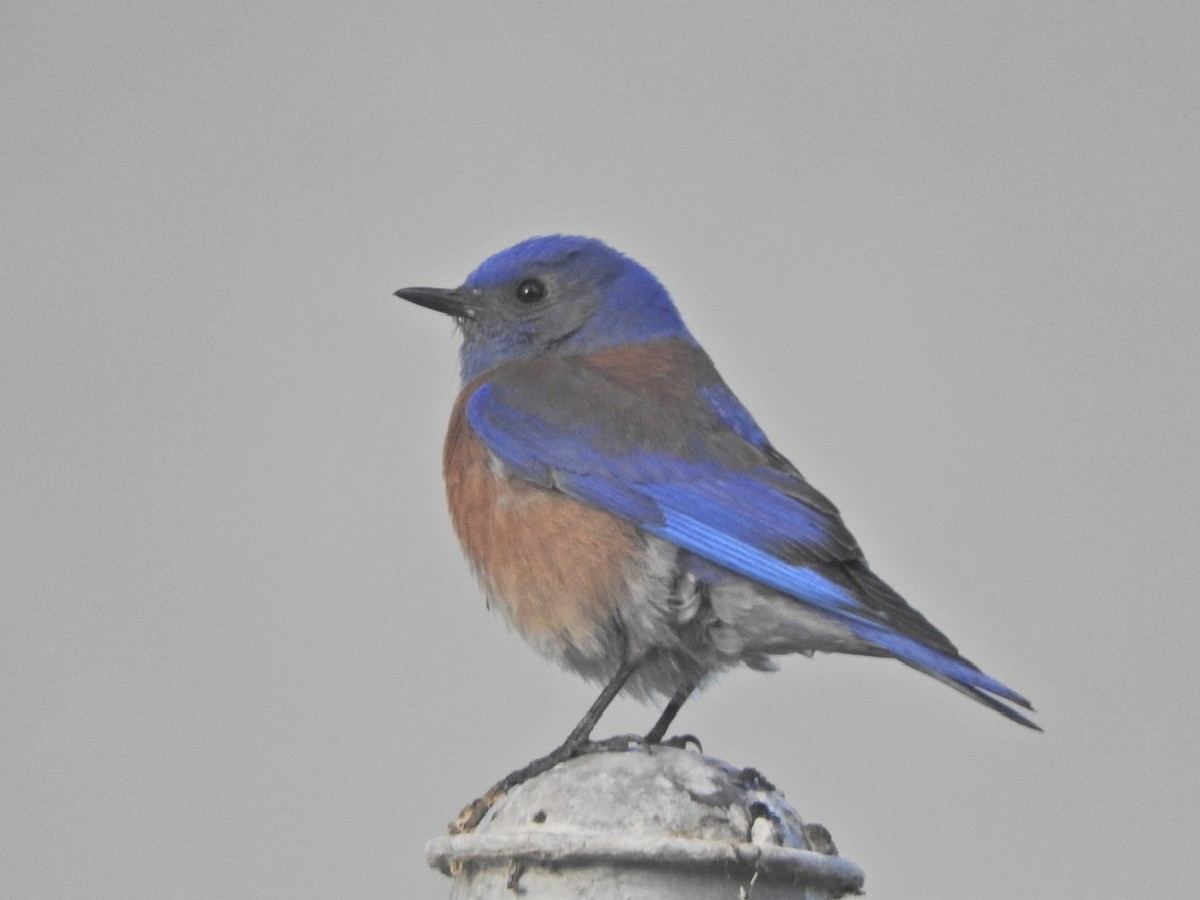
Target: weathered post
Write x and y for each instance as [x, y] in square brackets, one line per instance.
[648, 822]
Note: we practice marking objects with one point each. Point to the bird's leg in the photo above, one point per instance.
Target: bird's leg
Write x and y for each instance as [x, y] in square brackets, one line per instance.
[655, 735]
[581, 732]
[576, 744]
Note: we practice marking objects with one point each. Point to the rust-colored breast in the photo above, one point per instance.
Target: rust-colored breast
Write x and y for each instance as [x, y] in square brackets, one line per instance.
[556, 567]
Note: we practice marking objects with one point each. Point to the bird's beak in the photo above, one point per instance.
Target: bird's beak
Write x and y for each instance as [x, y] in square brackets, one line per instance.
[452, 302]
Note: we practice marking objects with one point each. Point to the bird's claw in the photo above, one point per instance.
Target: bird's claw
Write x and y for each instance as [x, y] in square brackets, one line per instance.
[681, 742]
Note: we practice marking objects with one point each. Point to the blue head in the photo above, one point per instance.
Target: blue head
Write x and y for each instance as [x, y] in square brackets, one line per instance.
[553, 296]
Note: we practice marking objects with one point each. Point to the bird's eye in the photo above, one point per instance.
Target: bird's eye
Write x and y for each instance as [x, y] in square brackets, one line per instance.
[530, 290]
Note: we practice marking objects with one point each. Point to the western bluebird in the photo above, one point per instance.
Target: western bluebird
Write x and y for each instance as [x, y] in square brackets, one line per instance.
[624, 511]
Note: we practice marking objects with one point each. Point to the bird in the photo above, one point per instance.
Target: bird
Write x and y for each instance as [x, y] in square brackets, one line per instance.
[624, 511]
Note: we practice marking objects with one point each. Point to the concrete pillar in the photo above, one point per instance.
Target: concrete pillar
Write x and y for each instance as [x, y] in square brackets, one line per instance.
[644, 823]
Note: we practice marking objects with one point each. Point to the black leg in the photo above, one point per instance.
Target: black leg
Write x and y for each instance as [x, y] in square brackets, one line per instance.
[581, 732]
[656, 734]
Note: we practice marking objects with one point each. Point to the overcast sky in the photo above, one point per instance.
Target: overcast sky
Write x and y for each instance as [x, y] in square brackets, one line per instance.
[947, 255]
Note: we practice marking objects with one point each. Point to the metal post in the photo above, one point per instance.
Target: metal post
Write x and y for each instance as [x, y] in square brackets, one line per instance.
[649, 822]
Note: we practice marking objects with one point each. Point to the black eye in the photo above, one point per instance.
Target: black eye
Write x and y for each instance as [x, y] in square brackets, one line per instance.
[530, 290]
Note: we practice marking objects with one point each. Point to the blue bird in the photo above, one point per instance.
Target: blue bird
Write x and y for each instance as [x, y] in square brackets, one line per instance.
[623, 510]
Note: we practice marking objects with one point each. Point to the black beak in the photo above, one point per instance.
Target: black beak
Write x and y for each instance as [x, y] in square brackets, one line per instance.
[451, 302]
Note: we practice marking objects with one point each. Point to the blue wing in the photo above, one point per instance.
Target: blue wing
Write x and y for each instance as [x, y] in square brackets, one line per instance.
[696, 470]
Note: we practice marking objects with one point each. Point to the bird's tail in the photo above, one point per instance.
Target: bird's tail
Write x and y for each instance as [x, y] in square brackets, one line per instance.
[954, 671]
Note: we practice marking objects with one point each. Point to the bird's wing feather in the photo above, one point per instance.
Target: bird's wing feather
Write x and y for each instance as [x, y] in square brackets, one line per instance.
[690, 466]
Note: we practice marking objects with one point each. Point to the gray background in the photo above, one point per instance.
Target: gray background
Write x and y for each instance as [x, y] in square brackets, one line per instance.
[947, 255]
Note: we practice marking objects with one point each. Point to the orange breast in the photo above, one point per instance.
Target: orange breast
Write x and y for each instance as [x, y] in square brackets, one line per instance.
[556, 567]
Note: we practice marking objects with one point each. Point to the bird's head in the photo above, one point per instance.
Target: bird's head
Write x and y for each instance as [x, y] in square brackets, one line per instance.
[552, 296]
